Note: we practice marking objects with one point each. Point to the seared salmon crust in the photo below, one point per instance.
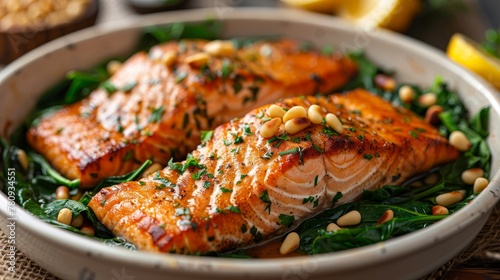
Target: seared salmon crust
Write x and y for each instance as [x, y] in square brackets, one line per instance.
[155, 108]
[240, 188]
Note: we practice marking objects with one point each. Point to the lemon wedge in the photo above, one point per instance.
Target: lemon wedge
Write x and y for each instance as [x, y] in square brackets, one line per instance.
[320, 6]
[468, 53]
[391, 14]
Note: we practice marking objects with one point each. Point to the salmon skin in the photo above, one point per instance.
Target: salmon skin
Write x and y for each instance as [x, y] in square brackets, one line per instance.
[156, 111]
[240, 188]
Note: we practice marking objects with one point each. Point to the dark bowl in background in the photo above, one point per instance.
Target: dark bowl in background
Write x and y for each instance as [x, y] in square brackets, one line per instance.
[18, 41]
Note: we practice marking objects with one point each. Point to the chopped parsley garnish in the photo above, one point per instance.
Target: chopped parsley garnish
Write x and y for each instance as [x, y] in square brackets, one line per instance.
[182, 167]
[156, 114]
[329, 131]
[108, 86]
[367, 156]
[224, 190]
[316, 180]
[413, 134]
[336, 198]
[317, 148]
[163, 181]
[286, 220]
[206, 184]
[361, 137]
[234, 209]
[268, 155]
[308, 199]
[206, 136]
[199, 174]
[227, 142]
[128, 86]
[257, 235]
[290, 152]
[264, 196]
[180, 76]
[226, 68]
[238, 140]
[247, 130]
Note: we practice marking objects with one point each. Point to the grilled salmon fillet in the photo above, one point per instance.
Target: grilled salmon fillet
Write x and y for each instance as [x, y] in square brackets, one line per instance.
[160, 102]
[239, 188]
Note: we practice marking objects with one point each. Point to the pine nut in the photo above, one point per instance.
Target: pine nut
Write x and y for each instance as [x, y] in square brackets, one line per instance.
[168, 58]
[270, 128]
[22, 157]
[295, 112]
[151, 169]
[447, 199]
[406, 94]
[385, 82]
[297, 125]
[62, 192]
[432, 114]
[458, 140]
[78, 221]
[469, 176]
[113, 66]
[276, 111]
[333, 121]
[387, 216]
[87, 229]
[197, 60]
[65, 216]
[219, 48]
[427, 100]
[439, 210]
[349, 219]
[314, 114]
[290, 244]
[480, 184]
[431, 179]
[332, 227]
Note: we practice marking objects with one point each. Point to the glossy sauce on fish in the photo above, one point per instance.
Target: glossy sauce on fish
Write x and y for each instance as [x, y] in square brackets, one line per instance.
[239, 188]
[151, 109]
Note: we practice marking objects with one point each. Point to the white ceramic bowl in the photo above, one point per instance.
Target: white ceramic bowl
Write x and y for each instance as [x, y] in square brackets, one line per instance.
[70, 256]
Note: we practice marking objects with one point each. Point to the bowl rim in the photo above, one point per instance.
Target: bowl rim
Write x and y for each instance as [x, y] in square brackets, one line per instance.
[343, 260]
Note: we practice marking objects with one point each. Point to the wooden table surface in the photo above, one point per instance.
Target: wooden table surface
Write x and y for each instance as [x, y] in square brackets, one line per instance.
[478, 262]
